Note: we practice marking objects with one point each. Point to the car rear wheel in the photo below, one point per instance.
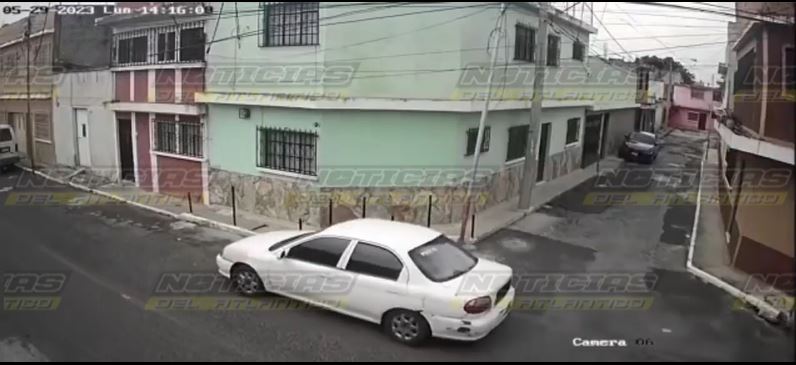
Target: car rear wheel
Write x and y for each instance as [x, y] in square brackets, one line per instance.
[406, 327]
[247, 281]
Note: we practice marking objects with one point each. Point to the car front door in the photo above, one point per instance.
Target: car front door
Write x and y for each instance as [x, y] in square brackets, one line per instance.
[380, 282]
[309, 271]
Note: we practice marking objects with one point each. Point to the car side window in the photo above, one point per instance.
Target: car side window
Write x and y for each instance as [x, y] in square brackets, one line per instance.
[375, 261]
[322, 251]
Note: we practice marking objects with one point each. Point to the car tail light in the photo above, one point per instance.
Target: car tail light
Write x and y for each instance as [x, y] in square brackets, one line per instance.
[478, 305]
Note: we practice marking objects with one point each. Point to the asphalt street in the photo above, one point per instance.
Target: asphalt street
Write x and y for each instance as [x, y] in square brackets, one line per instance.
[114, 255]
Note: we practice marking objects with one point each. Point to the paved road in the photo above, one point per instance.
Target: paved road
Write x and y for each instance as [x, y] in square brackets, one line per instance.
[114, 255]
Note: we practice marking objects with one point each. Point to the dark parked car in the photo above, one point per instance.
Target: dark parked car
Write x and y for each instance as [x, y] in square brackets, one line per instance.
[639, 146]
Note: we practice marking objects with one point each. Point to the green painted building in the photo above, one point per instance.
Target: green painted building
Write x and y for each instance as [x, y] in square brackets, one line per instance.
[312, 102]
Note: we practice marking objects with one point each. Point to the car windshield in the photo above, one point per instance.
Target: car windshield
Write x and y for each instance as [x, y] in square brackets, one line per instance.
[643, 138]
[442, 260]
[283, 243]
[5, 134]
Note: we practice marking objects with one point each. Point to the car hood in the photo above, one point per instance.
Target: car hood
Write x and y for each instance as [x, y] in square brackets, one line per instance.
[639, 146]
[240, 250]
[484, 279]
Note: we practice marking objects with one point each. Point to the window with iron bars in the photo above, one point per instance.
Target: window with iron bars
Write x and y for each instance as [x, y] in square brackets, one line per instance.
[287, 150]
[290, 24]
[181, 138]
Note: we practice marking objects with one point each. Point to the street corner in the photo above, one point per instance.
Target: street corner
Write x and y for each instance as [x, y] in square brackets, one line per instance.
[526, 252]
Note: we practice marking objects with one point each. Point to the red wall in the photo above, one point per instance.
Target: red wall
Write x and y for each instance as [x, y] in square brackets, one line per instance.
[193, 81]
[177, 176]
[142, 145]
[140, 87]
[122, 86]
[164, 86]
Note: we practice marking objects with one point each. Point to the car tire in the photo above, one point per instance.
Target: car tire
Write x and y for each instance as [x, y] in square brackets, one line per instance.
[407, 327]
[246, 281]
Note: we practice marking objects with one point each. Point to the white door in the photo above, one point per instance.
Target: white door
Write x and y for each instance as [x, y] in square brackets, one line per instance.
[310, 271]
[380, 283]
[18, 123]
[83, 146]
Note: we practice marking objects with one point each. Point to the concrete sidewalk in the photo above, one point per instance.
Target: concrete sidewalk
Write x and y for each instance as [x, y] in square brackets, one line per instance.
[487, 221]
[175, 206]
[711, 254]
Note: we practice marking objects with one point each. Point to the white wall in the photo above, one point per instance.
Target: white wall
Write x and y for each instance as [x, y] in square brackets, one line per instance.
[87, 90]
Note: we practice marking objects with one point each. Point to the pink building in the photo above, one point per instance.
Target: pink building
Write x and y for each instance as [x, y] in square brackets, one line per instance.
[692, 107]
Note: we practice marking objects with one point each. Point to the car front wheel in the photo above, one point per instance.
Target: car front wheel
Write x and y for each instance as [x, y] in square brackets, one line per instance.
[407, 327]
[247, 281]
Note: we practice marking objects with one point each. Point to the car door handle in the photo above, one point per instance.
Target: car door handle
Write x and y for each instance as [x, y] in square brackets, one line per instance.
[390, 291]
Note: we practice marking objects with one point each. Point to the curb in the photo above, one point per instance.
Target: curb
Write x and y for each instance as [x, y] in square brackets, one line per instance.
[762, 308]
[215, 224]
[503, 225]
[180, 216]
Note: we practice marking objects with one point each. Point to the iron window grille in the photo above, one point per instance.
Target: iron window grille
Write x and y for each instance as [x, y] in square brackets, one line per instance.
[182, 138]
[287, 150]
[472, 136]
[573, 127]
[290, 24]
[524, 42]
[518, 138]
[553, 50]
[578, 50]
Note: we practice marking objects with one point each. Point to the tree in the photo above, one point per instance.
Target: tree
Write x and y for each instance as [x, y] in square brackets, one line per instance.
[662, 65]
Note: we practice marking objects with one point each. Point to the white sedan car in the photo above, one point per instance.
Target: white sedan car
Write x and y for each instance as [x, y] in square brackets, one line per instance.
[413, 281]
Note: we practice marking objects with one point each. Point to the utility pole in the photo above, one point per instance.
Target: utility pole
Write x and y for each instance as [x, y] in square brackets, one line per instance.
[482, 124]
[28, 122]
[669, 91]
[530, 165]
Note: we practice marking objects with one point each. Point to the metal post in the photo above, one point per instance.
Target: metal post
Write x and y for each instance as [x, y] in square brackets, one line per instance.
[330, 211]
[31, 150]
[472, 226]
[364, 206]
[190, 203]
[300, 224]
[234, 209]
[428, 216]
[529, 166]
[482, 123]
[392, 217]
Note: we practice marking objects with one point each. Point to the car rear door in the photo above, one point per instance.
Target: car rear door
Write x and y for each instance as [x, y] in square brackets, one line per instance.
[380, 282]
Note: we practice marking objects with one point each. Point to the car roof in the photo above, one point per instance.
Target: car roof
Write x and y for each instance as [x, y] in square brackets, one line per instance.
[5, 126]
[395, 235]
[648, 134]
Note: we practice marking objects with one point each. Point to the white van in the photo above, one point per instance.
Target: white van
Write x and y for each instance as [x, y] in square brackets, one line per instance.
[9, 150]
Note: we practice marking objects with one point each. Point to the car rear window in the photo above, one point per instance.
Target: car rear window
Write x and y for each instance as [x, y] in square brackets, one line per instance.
[5, 134]
[441, 259]
[643, 138]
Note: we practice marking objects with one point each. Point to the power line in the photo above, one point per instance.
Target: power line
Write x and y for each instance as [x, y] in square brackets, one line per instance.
[609, 33]
[671, 36]
[669, 25]
[674, 6]
[632, 20]
[261, 31]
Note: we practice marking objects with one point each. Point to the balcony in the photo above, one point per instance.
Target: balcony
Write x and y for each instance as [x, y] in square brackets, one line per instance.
[736, 138]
